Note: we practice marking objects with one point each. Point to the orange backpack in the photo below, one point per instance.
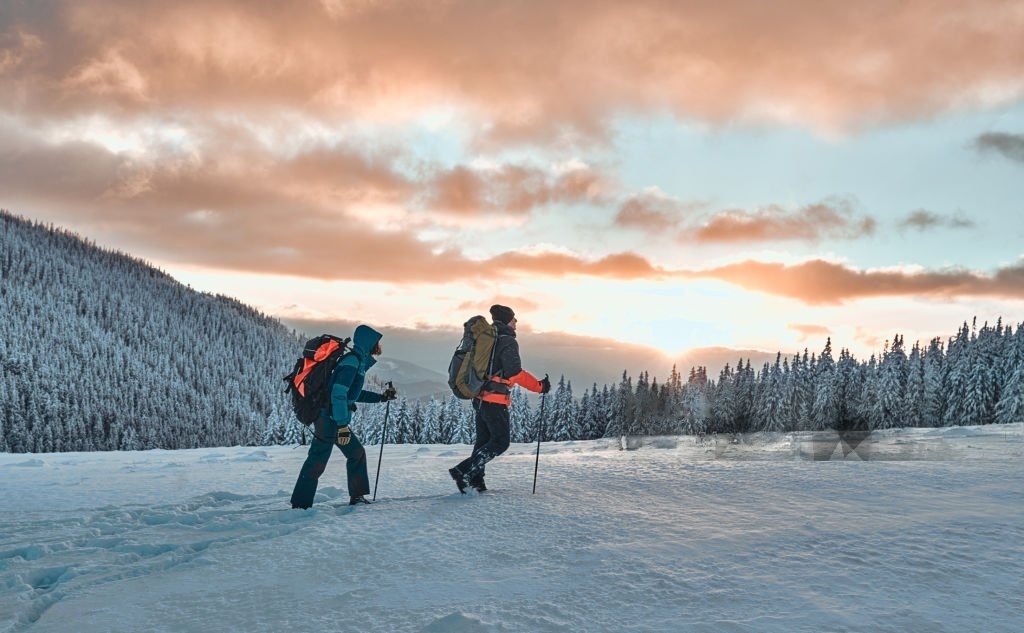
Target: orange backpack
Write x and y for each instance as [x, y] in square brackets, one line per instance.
[310, 380]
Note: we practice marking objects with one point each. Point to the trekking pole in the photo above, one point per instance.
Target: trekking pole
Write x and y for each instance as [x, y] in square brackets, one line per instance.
[540, 433]
[383, 434]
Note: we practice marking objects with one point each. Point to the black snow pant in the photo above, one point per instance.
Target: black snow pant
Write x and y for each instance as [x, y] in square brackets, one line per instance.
[492, 439]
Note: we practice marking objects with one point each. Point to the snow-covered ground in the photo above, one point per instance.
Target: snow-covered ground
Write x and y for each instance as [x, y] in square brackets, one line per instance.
[728, 534]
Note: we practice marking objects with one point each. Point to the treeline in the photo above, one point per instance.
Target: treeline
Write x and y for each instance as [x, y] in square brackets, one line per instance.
[975, 377]
[100, 351]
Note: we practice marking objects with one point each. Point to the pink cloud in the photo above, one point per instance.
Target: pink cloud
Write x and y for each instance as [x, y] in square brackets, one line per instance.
[538, 71]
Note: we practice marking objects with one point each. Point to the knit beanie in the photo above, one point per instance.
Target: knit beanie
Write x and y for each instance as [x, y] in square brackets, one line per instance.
[502, 313]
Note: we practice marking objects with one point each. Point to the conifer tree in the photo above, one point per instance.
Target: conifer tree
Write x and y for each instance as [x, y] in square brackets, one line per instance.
[562, 413]
[933, 403]
[771, 404]
[521, 418]
[889, 407]
[1010, 408]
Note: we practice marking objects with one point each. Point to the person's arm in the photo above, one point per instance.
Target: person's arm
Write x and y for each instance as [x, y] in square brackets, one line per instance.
[526, 380]
[512, 367]
[370, 396]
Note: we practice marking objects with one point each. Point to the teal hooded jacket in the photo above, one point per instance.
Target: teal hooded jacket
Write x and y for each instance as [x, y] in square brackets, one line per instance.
[350, 374]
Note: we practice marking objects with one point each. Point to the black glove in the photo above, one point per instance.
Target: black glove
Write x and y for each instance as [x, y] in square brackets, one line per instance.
[389, 394]
[344, 435]
[545, 385]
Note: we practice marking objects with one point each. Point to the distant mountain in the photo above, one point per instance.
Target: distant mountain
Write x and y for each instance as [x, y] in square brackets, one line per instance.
[584, 361]
[412, 381]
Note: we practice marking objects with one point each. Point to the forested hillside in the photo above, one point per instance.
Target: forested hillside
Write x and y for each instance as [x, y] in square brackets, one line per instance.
[100, 351]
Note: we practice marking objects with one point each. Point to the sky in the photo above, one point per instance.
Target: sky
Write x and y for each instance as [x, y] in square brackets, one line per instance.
[916, 530]
[671, 174]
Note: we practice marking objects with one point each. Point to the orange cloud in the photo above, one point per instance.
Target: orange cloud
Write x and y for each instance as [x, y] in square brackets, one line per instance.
[546, 72]
[651, 211]
[518, 304]
[617, 266]
[508, 189]
[821, 282]
[809, 331]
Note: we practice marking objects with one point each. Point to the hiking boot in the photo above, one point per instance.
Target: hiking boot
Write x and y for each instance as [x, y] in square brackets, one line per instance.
[479, 485]
[359, 499]
[459, 480]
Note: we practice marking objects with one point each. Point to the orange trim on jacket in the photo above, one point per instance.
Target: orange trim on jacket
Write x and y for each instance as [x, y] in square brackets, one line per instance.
[524, 379]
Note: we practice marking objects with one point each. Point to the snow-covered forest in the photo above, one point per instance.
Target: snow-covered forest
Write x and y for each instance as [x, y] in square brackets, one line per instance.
[100, 351]
[974, 378]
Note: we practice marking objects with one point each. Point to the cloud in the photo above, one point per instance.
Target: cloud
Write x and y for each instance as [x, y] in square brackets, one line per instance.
[513, 189]
[821, 282]
[520, 305]
[651, 211]
[538, 72]
[774, 223]
[657, 214]
[808, 331]
[615, 266]
[1009, 145]
[923, 220]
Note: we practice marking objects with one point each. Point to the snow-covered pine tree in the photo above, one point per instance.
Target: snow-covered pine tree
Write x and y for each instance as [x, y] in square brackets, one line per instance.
[401, 422]
[433, 418]
[1010, 408]
[723, 402]
[771, 405]
[914, 394]
[982, 381]
[608, 411]
[889, 407]
[621, 407]
[825, 410]
[956, 386]
[933, 403]
[521, 418]
[562, 413]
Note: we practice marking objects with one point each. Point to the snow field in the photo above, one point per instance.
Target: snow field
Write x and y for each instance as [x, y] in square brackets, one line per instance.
[728, 534]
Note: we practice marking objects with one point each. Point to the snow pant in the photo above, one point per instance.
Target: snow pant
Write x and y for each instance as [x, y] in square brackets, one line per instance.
[325, 434]
[492, 439]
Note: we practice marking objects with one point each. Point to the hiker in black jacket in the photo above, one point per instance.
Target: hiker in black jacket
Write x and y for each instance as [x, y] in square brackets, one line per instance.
[491, 406]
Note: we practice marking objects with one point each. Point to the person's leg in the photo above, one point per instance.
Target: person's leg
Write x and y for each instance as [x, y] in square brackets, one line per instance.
[483, 437]
[483, 432]
[495, 416]
[355, 466]
[320, 449]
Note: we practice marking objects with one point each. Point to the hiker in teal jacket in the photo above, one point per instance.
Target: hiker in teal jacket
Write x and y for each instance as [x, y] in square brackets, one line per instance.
[332, 427]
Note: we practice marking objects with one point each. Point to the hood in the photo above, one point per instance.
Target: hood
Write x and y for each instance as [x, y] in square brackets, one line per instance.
[365, 339]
